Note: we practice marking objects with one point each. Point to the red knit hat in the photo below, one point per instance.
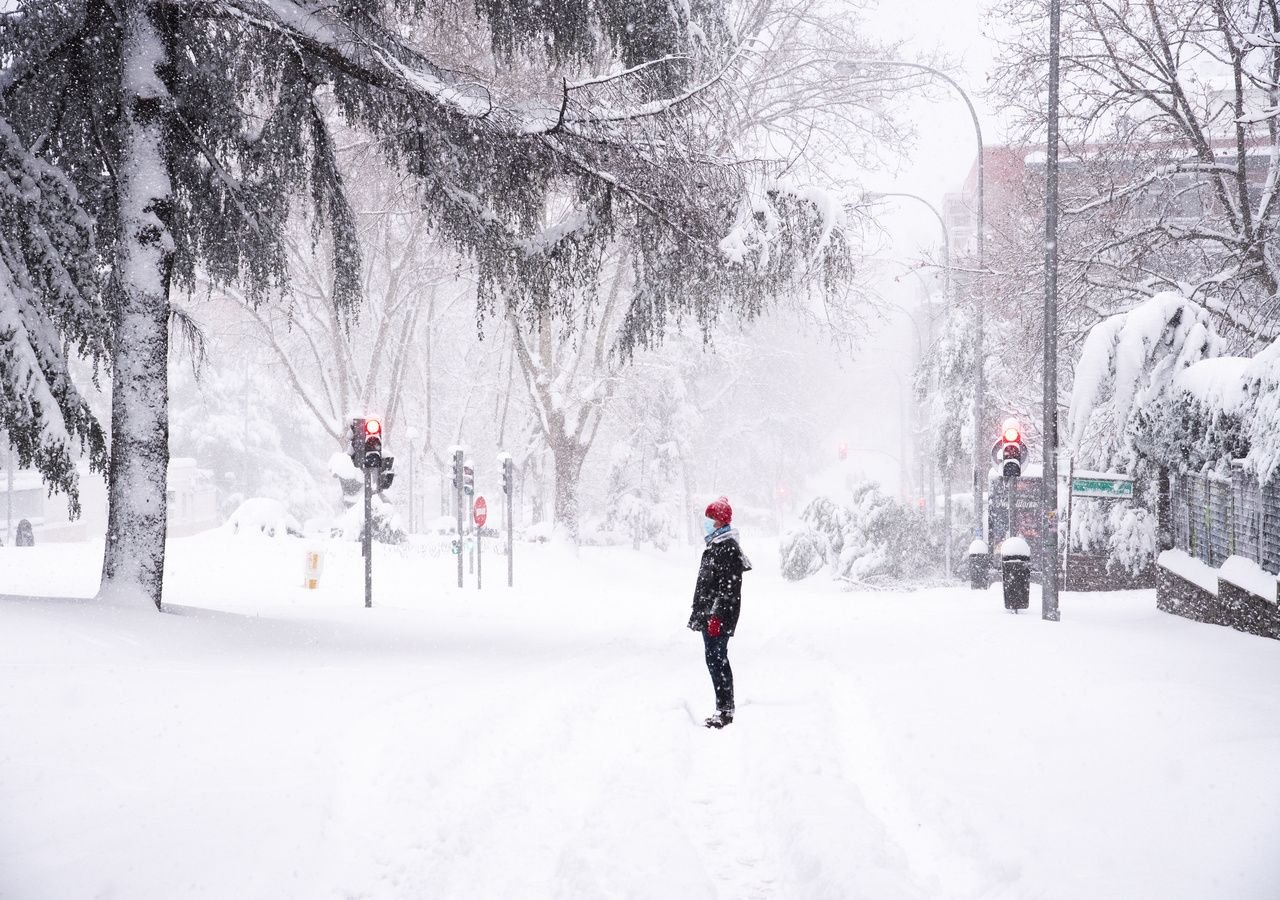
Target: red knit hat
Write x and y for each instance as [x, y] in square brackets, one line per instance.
[720, 510]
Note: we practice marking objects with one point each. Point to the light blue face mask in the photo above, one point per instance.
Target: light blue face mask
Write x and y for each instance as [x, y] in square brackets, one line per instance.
[708, 525]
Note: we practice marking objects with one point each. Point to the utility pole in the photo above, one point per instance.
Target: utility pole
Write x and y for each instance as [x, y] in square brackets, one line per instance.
[1049, 483]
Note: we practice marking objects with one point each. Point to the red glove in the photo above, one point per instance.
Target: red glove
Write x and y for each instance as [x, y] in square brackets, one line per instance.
[713, 627]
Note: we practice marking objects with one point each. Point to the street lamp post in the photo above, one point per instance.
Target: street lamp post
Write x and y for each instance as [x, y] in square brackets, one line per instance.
[979, 373]
[946, 292]
[942, 223]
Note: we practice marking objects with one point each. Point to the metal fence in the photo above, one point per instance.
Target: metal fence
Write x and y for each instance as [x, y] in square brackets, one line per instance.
[1215, 517]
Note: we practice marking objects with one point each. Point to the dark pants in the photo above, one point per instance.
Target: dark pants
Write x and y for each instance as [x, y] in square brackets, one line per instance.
[718, 665]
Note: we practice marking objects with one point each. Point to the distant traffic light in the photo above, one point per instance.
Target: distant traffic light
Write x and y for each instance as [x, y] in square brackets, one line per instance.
[372, 444]
[468, 479]
[842, 450]
[507, 475]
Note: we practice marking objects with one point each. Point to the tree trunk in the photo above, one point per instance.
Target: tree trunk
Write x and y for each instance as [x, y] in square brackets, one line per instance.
[569, 457]
[133, 561]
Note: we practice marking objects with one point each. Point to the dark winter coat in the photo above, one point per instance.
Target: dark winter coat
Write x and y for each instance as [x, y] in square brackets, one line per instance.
[719, 589]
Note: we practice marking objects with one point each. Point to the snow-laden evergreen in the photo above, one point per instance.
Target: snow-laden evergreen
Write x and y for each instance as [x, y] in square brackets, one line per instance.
[50, 307]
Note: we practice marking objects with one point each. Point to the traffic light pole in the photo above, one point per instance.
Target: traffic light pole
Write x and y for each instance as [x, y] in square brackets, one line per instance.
[457, 489]
[368, 538]
[1009, 486]
[511, 566]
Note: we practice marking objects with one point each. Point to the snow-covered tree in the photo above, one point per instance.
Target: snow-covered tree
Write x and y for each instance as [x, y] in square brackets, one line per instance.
[1130, 366]
[192, 129]
[1127, 362]
[50, 308]
[1170, 162]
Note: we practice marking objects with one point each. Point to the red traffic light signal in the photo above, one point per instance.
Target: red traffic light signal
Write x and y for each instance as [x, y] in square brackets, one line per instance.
[1010, 431]
[372, 426]
[1010, 452]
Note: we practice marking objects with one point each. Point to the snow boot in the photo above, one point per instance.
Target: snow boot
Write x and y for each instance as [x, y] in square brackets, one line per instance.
[720, 719]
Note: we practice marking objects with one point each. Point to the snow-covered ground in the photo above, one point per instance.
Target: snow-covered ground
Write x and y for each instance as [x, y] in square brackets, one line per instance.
[262, 741]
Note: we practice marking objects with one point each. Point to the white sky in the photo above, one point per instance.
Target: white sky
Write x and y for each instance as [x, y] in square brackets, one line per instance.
[946, 146]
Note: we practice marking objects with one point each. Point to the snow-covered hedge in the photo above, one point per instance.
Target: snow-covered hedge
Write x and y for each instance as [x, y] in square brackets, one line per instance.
[1142, 401]
[1153, 390]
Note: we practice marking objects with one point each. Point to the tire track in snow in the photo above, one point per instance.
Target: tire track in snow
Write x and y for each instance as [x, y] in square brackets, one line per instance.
[944, 853]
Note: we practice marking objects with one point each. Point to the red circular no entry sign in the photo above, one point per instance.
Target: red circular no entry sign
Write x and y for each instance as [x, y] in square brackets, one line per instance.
[480, 512]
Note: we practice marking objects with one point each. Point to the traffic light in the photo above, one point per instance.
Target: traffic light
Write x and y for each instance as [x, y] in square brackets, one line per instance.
[372, 446]
[385, 475]
[468, 479]
[1010, 451]
[457, 470]
[507, 473]
[357, 442]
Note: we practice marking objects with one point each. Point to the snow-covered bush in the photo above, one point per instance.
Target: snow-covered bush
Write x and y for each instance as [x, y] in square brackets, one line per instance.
[386, 523]
[262, 517]
[804, 553]
[874, 540]
[886, 541]
[637, 521]
[1132, 544]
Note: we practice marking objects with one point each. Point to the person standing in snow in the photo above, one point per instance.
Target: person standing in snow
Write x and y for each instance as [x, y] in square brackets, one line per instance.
[717, 600]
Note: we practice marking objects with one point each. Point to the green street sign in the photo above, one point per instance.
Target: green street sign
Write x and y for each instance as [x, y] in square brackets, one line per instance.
[1110, 487]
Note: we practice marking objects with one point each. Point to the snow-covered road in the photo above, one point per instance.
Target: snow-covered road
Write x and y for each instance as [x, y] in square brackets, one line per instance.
[265, 742]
